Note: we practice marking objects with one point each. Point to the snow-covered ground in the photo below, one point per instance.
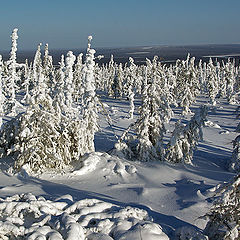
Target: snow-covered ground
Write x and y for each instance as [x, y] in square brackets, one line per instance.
[114, 198]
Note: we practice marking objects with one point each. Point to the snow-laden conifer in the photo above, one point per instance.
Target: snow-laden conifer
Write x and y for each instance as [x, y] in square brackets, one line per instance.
[154, 113]
[118, 81]
[229, 77]
[59, 96]
[48, 69]
[187, 87]
[234, 163]
[201, 75]
[36, 70]
[69, 87]
[90, 115]
[223, 218]
[2, 97]
[111, 76]
[130, 81]
[78, 80]
[46, 58]
[27, 78]
[184, 139]
[12, 78]
[146, 127]
[212, 82]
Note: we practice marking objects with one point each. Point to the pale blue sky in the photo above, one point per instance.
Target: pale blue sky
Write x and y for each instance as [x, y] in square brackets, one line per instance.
[116, 23]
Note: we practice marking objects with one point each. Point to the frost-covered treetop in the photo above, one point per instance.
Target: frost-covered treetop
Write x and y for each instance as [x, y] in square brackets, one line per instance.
[70, 59]
[14, 37]
[89, 42]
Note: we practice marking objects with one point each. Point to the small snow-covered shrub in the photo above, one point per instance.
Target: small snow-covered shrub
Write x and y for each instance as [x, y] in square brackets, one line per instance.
[224, 217]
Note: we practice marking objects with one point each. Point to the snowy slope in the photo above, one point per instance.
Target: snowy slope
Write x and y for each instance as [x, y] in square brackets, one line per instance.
[113, 198]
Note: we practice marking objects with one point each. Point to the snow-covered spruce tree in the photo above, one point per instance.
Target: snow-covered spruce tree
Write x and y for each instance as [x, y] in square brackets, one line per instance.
[59, 96]
[201, 75]
[224, 217]
[170, 85]
[69, 87]
[36, 70]
[154, 113]
[48, 69]
[12, 78]
[187, 84]
[212, 82]
[150, 126]
[110, 77]
[101, 77]
[184, 139]
[90, 111]
[229, 77]
[2, 97]
[47, 60]
[233, 164]
[27, 77]
[78, 80]
[118, 81]
[130, 82]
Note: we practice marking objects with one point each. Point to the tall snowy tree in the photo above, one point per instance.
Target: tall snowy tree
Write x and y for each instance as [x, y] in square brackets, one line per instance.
[154, 113]
[59, 96]
[90, 112]
[230, 80]
[212, 82]
[130, 82]
[10, 85]
[27, 77]
[2, 98]
[78, 80]
[69, 87]
[36, 71]
[48, 69]
[187, 87]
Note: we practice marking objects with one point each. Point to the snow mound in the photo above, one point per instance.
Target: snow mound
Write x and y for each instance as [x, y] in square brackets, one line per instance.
[88, 164]
[29, 217]
[211, 124]
[224, 132]
[122, 168]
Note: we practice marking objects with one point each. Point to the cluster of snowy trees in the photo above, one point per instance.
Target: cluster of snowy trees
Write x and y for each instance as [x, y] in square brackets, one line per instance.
[182, 82]
[54, 110]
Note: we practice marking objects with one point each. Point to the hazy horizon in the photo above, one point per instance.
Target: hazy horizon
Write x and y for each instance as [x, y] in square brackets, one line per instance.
[126, 23]
[166, 53]
[83, 48]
